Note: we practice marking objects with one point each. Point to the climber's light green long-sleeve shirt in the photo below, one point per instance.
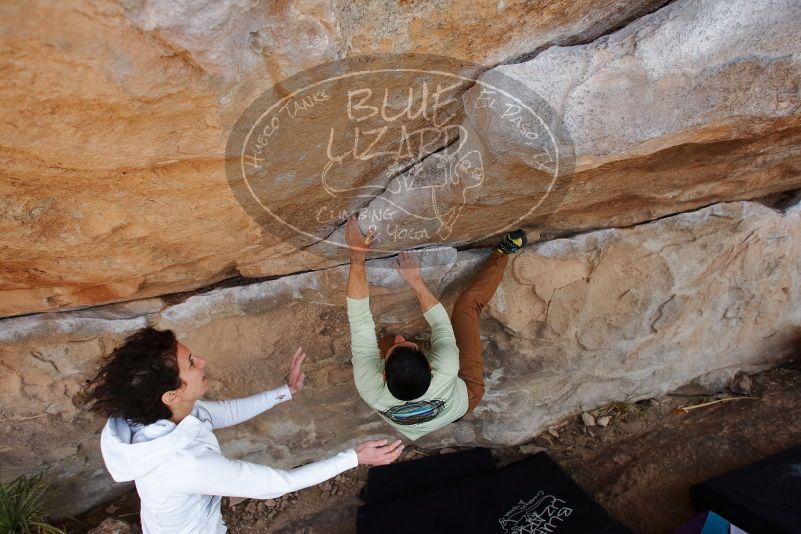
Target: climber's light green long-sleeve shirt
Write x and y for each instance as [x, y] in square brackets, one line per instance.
[446, 395]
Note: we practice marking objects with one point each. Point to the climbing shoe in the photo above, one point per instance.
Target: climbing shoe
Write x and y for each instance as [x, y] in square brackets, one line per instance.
[512, 242]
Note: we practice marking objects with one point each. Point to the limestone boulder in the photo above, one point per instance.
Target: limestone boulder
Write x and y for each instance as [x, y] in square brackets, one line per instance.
[603, 316]
[116, 115]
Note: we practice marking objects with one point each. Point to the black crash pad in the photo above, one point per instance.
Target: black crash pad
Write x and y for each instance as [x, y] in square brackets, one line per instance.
[406, 479]
[763, 497]
[532, 496]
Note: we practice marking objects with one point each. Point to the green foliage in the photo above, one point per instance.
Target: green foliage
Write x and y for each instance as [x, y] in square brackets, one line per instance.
[21, 507]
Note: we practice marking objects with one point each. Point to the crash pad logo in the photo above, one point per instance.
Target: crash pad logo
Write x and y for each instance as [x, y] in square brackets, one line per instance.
[420, 147]
[412, 413]
[540, 515]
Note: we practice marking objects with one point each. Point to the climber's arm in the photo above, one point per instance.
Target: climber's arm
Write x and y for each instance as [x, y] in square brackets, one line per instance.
[368, 366]
[424, 297]
[444, 355]
[358, 244]
[409, 268]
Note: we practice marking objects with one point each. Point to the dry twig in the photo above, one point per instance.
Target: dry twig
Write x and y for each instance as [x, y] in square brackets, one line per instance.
[7, 419]
[686, 408]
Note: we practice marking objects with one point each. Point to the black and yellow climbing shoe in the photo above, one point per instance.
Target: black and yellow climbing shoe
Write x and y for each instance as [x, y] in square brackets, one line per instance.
[512, 242]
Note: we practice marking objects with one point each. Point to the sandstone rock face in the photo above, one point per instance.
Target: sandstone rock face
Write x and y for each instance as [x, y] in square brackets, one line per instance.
[230, 40]
[115, 117]
[607, 315]
[692, 104]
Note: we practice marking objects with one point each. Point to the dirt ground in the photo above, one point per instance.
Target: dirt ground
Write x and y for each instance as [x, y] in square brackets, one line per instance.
[639, 466]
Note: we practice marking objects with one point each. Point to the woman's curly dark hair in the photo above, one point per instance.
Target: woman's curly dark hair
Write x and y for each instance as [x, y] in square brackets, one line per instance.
[134, 376]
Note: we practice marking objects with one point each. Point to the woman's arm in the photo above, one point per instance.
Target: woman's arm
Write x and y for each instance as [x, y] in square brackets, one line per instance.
[232, 412]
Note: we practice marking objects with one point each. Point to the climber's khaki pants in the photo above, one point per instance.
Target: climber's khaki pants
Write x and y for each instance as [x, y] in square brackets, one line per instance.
[465, 319]
[467, 327]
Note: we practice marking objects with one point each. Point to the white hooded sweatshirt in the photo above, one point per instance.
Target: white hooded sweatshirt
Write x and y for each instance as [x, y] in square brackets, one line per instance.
[181, 474]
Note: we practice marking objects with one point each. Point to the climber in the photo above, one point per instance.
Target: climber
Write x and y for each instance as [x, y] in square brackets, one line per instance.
[159, 435]
[417, 394]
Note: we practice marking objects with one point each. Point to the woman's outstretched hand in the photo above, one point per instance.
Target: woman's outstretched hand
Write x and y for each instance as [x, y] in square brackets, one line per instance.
[296, 378]
[378, 452]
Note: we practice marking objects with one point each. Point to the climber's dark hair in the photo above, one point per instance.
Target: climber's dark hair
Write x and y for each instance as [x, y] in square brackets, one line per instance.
[132, 379]
[408, 373]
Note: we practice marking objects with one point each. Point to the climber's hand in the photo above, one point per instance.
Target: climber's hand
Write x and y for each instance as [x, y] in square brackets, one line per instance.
[296, 378]
[358, 243]
[408, 266]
